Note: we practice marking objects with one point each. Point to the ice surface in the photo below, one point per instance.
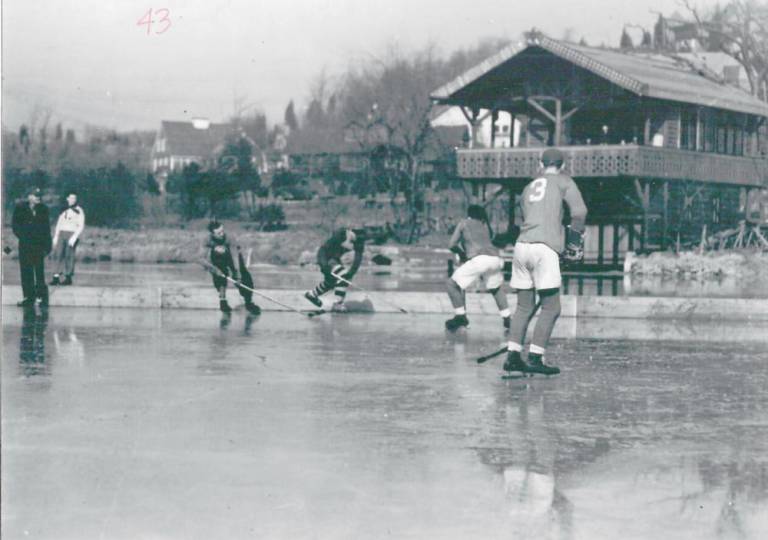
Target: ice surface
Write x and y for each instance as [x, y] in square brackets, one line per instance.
[133, 424]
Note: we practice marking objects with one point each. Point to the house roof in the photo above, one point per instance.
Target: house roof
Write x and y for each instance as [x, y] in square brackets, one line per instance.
[451, 136]
[183, 139]
[643, 74]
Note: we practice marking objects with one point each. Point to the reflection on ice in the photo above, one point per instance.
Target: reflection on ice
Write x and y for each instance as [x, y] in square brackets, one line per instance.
[32, 359]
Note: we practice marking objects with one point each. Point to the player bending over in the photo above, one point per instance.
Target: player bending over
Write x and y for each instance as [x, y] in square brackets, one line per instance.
[471, 240]
[536, 263]
[335, 275]
[221, 257]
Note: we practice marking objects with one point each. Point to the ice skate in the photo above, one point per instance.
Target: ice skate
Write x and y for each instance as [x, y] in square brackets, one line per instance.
[457, 322]
[313, 298]
[536, 365]
[514, 366]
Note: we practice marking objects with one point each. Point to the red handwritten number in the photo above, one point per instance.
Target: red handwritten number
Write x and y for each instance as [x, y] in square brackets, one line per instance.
[147, 20]
[165, 19]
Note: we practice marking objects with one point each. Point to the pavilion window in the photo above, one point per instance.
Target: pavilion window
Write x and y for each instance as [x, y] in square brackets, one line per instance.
[738, 141]
[688, 129]
[709, 130]
[721, 135]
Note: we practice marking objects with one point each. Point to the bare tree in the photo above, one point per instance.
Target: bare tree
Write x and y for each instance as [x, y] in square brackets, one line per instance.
[387, 108]
[739, 29]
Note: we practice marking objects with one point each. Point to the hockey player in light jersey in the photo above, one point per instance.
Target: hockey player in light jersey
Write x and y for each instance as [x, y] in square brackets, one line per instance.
[471, 240]
[536, 264]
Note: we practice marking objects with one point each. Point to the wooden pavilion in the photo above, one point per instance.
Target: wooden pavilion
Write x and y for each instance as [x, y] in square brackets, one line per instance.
[661, 148]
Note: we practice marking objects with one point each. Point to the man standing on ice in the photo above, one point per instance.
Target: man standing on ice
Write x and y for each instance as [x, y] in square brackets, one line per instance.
[471, 240]
[536, 264]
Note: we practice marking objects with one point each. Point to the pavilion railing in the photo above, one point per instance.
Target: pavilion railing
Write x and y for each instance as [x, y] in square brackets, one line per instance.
[615, 161]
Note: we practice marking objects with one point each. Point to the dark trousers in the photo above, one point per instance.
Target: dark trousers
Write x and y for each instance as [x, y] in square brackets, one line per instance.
[64, 255]
[33, 277]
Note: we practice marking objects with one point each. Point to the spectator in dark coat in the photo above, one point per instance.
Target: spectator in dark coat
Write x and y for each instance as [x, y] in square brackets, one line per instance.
[32, 227]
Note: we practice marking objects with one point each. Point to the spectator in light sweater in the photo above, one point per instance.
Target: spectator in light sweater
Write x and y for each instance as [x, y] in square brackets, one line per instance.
[69, 227]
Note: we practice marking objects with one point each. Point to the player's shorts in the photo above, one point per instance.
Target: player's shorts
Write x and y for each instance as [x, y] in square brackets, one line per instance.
[535, 266]
[487, 267]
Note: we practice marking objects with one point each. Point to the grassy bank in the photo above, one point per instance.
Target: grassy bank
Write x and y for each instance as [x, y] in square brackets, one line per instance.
[713, 264]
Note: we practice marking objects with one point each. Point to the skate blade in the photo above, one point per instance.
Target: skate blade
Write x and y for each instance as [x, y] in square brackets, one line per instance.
[512, 375]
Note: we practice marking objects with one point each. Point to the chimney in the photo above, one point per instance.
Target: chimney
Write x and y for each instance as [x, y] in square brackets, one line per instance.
[731, 75]
[201, 123]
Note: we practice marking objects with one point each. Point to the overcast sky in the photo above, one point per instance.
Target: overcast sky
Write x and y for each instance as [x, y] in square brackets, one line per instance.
[90, 63]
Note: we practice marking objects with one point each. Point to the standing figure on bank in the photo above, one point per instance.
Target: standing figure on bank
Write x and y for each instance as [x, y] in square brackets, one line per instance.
[31, 225]
[471, 240]
[66, 235]
[335, 274]
[536, 264]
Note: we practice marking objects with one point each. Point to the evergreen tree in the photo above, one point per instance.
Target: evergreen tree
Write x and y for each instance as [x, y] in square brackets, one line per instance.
[626, 40]
[290, 117]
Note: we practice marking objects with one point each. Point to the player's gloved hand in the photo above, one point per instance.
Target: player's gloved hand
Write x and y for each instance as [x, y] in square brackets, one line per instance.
[460, 253]
[574, 245]
[236, 275]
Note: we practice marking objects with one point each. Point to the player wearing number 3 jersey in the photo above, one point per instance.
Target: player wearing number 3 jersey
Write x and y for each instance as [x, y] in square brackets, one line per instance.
[536, 264]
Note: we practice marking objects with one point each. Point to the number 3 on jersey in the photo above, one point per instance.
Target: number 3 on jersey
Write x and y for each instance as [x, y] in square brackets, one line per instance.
[538, 189]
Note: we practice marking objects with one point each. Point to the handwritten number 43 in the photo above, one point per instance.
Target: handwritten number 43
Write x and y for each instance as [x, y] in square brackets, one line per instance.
[162, 19]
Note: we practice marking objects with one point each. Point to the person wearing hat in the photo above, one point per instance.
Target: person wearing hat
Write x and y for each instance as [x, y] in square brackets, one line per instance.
[536, 263]
[68, 229]
[31, 225]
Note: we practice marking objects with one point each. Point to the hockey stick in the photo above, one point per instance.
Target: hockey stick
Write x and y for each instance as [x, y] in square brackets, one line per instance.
[349, 283]
[494, 354]
[215, 271]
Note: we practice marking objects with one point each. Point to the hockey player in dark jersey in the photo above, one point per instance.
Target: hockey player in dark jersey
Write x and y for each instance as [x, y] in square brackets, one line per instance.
[536, 264]
[220, 255]
[335, 274]
[471, 240]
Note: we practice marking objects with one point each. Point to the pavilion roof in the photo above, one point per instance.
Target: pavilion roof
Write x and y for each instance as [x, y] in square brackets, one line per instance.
[643, 73]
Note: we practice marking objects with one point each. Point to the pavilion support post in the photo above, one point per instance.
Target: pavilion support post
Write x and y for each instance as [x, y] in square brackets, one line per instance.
[494, 119]
[615, 247]
[644, 194]
[647, 129]
[511, 209]
[472, 115]
[558, 121]
[665, 215]
[600, 244]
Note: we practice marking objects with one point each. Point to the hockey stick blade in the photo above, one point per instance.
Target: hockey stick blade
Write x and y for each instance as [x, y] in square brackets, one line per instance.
[350, 284]
[215, 271]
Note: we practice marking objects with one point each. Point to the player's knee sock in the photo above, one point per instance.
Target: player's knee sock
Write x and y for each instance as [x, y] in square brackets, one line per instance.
[501, 301]
[341, 292]
[523, 313]
[323, 287]
[550, 311]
